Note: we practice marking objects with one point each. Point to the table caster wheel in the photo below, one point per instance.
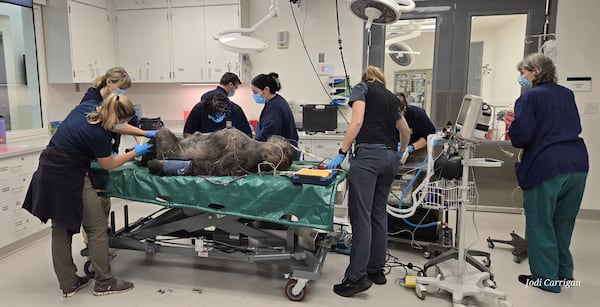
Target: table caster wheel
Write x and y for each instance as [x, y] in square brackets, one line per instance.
[516, 259]
[490, 244]
[426, 254]
[289, 286]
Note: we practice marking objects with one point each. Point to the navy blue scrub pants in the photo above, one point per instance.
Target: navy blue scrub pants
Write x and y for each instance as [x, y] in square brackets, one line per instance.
[550, 211]
[372, 171]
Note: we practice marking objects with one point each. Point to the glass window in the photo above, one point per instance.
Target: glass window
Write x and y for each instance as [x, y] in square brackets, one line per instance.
[20, 103]
[408, 61]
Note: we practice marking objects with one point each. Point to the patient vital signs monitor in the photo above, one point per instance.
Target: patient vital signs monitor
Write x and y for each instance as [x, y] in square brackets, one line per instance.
[473, 119]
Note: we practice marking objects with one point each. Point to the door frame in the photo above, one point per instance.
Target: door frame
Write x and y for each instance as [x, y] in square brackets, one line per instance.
[452, 40]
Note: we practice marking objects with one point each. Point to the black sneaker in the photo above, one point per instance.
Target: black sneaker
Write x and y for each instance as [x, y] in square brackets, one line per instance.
[378, 277]
[524, 279]
[348, 287]
[115, 286]
[81, 283]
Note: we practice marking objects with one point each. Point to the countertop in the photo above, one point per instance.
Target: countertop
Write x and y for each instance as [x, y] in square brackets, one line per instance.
[24, 146]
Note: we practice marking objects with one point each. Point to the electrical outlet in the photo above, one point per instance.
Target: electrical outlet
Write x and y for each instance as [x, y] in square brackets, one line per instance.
[591, 108]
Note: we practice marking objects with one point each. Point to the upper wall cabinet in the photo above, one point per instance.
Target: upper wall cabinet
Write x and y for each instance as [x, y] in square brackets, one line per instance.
[142, 31]
[79, 40]
[196, 56]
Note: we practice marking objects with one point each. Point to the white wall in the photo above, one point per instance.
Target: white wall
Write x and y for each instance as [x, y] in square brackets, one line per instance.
[577, 55]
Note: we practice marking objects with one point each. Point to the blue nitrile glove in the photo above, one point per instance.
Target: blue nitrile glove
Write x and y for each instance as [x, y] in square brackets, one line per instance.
[115, 154]
[151, 133]
[410, 148]
[335, 162]
[142, 149]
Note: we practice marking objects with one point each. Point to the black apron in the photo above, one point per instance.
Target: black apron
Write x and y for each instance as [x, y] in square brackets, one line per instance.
[56, 189]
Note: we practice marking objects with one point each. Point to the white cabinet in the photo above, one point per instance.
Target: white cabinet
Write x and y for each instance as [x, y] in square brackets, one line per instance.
[321, 146]
[139, 4]
[79, 40]
[15, 175]
[196, 56]
[143, 43]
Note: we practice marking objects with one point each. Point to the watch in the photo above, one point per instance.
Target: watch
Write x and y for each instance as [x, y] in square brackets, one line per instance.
[342, 153]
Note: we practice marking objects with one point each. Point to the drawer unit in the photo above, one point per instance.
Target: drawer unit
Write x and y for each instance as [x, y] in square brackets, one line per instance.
[15, 176]
[17, 165]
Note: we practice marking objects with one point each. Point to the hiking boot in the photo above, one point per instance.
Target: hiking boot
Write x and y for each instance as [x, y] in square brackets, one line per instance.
[378, 277]
[81, 283]
[349, 287]
[115, 286]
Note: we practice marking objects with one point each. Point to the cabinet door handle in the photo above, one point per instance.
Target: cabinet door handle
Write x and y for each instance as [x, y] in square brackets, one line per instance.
[147, 74]
[3, 168]
[16, 167]
[18, 189]
[140, 73]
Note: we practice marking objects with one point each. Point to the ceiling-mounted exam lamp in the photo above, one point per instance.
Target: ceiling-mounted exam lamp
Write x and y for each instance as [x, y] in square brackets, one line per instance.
[234, 40]
[380, 11]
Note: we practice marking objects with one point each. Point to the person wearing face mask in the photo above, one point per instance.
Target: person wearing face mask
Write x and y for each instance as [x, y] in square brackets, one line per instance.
[116, 80]
[552, 171]
[276, 117]
[60, 190]
[204, 118]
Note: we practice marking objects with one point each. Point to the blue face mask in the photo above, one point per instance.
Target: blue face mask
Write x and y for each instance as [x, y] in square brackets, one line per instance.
[231, 94]
[119, 92]
[526, 84]
[258, 98]
[217, 119]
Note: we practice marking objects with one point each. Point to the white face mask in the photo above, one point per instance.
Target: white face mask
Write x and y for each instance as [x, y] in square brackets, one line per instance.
[120, 126]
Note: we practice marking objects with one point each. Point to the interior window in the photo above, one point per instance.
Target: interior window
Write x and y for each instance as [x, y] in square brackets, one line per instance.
[408, 60]
[20, 104]
[496, 46]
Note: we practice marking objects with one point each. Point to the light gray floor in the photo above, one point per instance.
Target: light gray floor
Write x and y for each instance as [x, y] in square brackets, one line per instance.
[168, 280]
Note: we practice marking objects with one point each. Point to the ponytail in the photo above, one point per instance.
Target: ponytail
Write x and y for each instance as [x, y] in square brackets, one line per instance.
[116, 107]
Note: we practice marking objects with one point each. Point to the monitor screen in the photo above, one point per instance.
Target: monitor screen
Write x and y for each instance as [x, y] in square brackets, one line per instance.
[319, 118]
[464, 110]
[471, 123]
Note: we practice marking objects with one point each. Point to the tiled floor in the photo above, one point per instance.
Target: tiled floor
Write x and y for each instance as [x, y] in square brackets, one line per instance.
[171, 280]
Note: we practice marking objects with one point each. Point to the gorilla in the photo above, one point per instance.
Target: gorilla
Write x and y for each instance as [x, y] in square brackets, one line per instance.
[227, 152]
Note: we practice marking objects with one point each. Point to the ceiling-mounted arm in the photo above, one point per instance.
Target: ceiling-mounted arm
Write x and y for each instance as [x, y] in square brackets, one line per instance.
[245, 44]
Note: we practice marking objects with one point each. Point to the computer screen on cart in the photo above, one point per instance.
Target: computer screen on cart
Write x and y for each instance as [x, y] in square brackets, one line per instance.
[319, 118]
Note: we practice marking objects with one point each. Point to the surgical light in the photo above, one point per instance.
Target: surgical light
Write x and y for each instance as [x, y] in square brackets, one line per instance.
[380, 11]
[236, 40]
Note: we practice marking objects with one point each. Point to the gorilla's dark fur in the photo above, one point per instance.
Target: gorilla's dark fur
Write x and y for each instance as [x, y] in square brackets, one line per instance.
[227, 152]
